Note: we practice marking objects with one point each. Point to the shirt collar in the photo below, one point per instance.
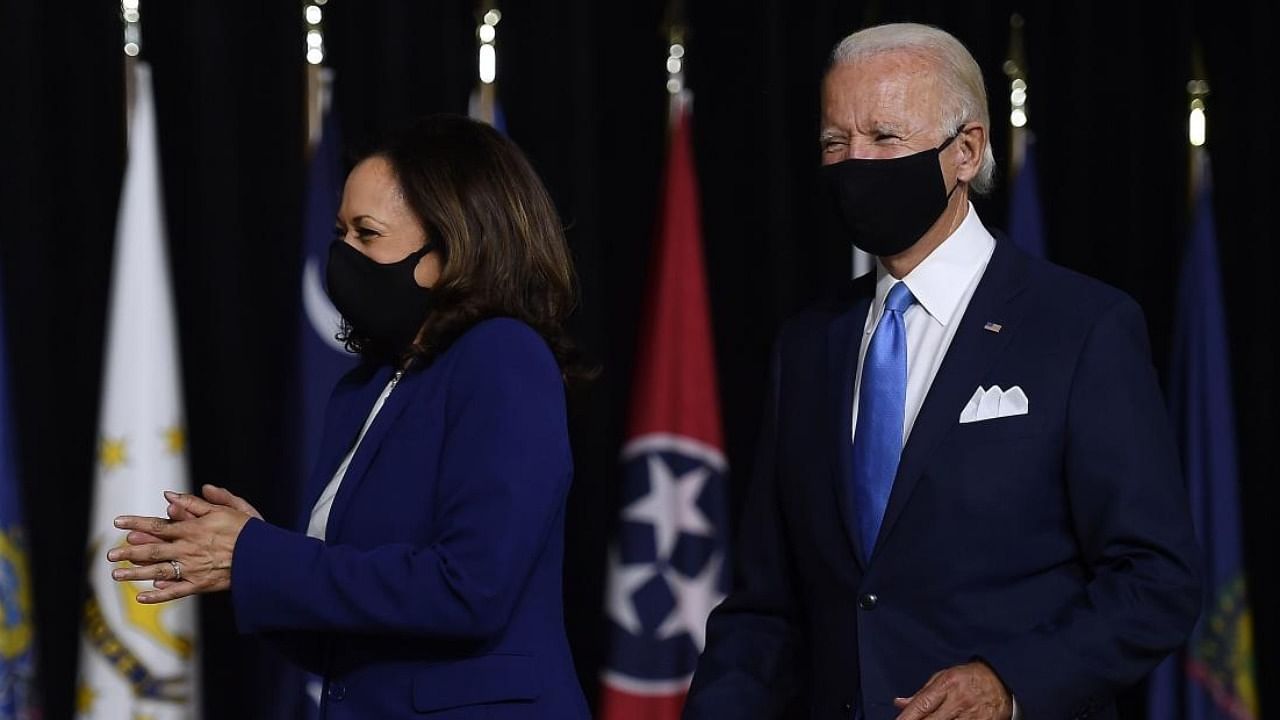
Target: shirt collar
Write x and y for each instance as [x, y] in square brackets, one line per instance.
[939, 282]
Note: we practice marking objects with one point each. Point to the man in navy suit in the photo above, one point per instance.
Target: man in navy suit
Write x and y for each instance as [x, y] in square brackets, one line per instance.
[967, 501]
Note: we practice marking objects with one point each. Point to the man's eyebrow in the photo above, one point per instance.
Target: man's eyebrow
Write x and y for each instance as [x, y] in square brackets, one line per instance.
[831, 134]
[888, 126]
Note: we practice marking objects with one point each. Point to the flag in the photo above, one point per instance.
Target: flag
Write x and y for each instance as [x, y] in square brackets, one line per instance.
[484, 106]
[1026, 224]
[1213, 677]
[17, 629]
[137, 660]
[668, 566]
[322, 360]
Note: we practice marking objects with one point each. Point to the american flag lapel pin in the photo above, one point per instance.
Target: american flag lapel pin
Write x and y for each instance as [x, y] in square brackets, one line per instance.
[993, 327]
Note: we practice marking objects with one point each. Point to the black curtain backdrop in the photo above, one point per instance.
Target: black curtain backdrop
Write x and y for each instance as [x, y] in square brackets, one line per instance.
[582, 83]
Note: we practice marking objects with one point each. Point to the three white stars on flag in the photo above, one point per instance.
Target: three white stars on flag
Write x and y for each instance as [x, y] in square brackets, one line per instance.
[671, 507]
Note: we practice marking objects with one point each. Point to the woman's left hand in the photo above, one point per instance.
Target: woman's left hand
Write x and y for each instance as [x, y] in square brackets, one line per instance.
[187, 557]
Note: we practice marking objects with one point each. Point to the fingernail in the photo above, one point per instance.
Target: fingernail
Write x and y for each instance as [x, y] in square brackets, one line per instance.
[170, 495]
[144, 597]
[118, 522]
[117, 574]
[113, 555]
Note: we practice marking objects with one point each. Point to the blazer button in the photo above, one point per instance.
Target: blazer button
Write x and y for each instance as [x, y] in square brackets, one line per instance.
[867, 601]
[847, 707]
[337, 691]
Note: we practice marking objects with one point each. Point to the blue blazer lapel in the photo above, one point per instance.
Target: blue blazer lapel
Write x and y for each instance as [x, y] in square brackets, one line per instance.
[396, 402]
[348, 408]
[844, 343]
[973, 349]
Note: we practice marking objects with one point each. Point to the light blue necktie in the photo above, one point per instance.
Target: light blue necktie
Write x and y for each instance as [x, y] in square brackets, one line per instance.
[882, 399]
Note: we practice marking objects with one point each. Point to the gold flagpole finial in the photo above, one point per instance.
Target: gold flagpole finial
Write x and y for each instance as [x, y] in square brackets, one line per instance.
[131, 15]
[487, 39]
[676, 31]
[1198, 90]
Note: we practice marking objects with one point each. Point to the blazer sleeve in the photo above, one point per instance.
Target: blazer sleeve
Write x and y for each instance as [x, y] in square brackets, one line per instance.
[504, 474]
[1133, 526]
[748, 669]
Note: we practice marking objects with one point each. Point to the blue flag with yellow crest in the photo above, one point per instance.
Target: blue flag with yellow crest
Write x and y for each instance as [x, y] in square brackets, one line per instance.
[1213, 677]
[17, 635]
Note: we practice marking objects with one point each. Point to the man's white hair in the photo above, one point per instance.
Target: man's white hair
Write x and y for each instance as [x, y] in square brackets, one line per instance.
[964, 93]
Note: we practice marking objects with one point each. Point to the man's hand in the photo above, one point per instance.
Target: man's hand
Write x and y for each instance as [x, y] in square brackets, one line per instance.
[965, 692]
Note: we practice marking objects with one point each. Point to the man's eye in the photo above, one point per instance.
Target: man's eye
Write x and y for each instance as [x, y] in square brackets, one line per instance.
[885, 136]
[829, 145]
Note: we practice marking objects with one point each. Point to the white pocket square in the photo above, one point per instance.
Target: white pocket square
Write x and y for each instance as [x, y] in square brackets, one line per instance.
[994, 403]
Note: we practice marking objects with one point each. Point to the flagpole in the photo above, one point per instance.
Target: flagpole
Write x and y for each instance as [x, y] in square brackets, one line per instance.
[1197, 127]
[131, 18]
[318, 76]
[1015, 68]
[483, 104]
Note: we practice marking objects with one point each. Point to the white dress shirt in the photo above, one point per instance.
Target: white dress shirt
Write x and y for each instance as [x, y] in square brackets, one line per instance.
[320, 511]
[942, 285]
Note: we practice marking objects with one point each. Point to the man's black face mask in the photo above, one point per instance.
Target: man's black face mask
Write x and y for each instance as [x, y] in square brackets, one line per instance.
[885, 206]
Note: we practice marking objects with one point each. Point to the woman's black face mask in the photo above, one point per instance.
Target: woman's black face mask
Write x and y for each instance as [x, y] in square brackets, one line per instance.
[381, 302]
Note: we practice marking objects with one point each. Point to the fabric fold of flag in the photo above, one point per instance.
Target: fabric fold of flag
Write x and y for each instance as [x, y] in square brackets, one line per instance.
[18, 700]
[1026, 222]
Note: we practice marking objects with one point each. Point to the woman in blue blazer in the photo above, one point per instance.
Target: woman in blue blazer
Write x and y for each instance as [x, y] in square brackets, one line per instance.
[424, 575]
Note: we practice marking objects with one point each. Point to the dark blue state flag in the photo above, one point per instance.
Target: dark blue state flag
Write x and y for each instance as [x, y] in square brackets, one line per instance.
[17, 632]
[322, 359]
[1213, 677]
[1026, 223]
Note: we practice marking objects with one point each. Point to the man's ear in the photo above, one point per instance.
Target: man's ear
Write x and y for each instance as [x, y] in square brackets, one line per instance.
[972, 141]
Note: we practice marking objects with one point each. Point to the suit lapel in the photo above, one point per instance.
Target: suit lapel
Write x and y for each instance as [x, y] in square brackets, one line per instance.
[346, 414]
[395, 404]
[973, 350]
[844, 342]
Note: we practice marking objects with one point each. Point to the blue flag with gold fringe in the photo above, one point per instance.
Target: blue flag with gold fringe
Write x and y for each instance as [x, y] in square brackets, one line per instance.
[1213, 677]
[17, 633]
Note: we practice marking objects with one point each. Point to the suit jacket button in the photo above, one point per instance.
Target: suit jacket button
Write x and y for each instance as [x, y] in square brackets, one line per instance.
[867, 601]
[337, 691]
[847, 707]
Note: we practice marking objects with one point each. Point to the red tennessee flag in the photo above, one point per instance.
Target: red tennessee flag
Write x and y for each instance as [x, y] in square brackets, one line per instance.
[667, 568]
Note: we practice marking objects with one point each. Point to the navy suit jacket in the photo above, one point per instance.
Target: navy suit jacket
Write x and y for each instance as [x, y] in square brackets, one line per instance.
[1056, 546]
[438, 591]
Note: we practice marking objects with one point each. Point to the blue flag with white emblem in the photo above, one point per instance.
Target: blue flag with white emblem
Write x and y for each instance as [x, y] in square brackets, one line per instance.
[322, 359]
[17, 632]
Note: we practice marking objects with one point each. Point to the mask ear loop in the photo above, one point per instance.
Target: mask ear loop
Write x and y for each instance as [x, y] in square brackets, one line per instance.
[424, 250]
[943, 146]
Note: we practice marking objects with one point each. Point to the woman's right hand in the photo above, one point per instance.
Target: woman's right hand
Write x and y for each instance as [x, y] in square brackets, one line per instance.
[221, 496]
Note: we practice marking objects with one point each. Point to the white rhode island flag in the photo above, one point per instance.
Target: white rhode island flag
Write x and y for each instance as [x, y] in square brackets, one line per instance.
[137, 662]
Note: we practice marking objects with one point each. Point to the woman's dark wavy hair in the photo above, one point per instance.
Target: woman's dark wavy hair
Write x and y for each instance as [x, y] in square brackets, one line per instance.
[502, 249]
